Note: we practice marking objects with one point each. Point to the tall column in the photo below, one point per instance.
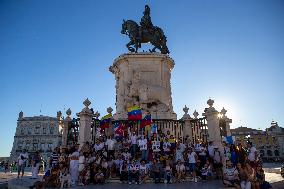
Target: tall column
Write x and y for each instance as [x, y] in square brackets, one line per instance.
[227, 120]
[187, 130]
[85, 116]
[66, 123]
[213, 124]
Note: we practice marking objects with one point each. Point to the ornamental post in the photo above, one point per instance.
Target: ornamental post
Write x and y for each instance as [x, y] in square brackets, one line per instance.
[66, 122]
[187, 130]
[85, 116]
[211, 115]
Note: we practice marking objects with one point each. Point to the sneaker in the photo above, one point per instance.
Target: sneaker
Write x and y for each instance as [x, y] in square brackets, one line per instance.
[136, 182]
[165, 181]
[195, 179]
[129, 183]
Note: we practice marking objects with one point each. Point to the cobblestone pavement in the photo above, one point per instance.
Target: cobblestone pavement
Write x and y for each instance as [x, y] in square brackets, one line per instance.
[275, 179]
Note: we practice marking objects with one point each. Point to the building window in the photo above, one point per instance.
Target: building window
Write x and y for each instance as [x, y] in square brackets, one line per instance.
[261, 153]
[37, 130]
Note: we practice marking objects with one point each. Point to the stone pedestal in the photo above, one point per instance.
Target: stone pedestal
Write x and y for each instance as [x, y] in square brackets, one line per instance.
[144, 79]
[213, 124]
[86, 116]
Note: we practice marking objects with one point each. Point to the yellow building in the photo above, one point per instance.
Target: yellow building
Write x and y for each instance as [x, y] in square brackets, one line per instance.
[266, 142]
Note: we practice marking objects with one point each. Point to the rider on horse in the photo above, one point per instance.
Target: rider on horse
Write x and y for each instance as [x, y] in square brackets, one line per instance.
[146, 23]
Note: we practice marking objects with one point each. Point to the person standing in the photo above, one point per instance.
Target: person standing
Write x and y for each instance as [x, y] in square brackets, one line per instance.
[54, 158]
[74, 165]
[192, 159]
[35, 165]
[22, 160]
[110, 142]
[252, 155]
[133, 139]
[142, 143]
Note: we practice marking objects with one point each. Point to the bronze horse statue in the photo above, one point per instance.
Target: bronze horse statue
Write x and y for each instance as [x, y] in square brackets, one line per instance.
[137, 36]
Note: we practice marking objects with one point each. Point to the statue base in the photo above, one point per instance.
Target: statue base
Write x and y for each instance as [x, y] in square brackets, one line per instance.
[144, 79]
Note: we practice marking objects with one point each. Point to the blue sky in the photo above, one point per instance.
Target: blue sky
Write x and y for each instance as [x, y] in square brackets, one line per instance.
[54, 54]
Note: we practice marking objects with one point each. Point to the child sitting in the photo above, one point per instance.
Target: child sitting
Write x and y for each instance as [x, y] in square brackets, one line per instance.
[180, 171]
[143, 170]
[204, 172]
[168, 173]
[99, 177]
[81, 168]
[64, 177]
[133, 172]
[230, 175]
[123, 172]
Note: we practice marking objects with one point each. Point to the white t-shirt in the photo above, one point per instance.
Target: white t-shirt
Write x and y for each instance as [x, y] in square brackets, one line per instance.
[211, 150]
[182, 146]
[133, 139]
[110, 144]
[166, 146]
[143, 169]
[133, 167]
[231, 173]
[251, 155]
[142, 144]
[180, 168]
[156, 146]
[99, 146]
[22, 158]
[81, 163]
[191, 157]
[197, 147]
[126, 156]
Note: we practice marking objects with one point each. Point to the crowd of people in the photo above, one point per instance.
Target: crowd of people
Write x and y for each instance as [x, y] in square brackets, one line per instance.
[161, 158]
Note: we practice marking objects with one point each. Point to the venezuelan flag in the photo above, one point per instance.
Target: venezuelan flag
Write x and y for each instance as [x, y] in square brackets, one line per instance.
[105, 121]
[147, 120]
[134, 113]
[118, 128]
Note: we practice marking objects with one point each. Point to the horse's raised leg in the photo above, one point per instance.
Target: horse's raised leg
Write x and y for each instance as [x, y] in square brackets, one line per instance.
[131, 49]
[153, 50]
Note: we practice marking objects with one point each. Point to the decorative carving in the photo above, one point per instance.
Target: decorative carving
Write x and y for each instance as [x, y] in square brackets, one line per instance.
[143, 80]
[21, 115]
[185, 109]
[97, 115]
[68, 112]
[223, 111]
[87, 103]
[195, 114]
[210, 102]
[109, 110]
[59, 114]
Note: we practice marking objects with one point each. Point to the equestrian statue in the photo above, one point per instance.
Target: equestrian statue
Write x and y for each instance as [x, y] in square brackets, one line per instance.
[145, 33]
